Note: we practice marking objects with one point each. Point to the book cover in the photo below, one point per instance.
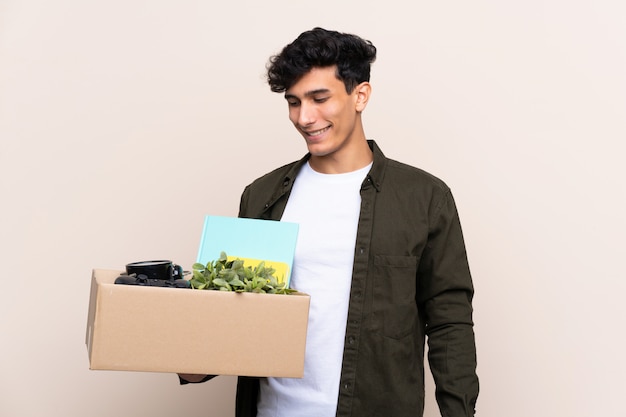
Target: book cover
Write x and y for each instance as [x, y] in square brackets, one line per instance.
[251, 240]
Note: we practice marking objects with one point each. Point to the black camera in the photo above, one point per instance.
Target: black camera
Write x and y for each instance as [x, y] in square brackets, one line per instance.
[141, 279]
[154, 274]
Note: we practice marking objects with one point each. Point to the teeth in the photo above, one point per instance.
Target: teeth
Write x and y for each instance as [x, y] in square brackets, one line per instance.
[317, 132]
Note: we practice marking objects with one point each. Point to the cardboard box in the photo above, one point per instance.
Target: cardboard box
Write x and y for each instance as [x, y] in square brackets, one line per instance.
[137, 328]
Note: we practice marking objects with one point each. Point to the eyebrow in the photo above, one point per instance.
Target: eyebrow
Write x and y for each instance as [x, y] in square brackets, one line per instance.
[309, 93]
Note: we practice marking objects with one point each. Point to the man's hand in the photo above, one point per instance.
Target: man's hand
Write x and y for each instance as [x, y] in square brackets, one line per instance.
[192, 377]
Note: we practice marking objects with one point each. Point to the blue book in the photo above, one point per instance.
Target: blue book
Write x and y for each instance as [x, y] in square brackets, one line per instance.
[252, 240]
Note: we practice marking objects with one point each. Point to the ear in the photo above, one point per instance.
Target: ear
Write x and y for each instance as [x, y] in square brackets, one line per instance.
[362, 95]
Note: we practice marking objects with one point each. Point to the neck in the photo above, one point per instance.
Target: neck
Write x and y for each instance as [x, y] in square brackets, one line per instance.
[351, 158]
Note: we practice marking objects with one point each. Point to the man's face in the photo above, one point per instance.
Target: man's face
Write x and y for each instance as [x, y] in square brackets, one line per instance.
[325, 115]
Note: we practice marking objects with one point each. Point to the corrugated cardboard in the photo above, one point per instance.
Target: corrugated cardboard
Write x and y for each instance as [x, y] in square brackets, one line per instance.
[137, 328]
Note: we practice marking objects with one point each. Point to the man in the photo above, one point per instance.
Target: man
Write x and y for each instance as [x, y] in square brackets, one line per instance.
[380, 250]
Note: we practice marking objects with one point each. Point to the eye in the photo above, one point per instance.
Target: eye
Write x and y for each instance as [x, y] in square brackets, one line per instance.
[293, 103]
[320, 99]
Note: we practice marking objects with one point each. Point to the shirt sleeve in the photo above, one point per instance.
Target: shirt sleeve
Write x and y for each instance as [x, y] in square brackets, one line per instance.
[446, 292]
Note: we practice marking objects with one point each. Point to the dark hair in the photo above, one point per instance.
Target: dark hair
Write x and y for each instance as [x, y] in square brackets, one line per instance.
[322, 48]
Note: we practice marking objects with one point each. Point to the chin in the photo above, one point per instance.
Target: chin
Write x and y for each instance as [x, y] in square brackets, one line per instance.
[317, 149]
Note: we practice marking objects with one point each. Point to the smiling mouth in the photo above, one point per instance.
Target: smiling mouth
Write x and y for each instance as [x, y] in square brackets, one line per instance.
[315, 132]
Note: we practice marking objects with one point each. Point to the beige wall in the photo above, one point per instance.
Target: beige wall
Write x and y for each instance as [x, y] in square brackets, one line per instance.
[122, 123]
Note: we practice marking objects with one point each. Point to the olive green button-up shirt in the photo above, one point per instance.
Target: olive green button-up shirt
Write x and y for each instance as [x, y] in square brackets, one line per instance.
[410, 283]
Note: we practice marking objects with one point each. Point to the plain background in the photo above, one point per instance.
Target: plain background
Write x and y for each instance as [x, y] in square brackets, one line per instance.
[123, 123]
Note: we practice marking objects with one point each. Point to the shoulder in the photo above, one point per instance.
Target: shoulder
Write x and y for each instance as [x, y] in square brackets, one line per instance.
[394, 174]
[411, 176]
[415, 189]
[259, 194]
[274, 178]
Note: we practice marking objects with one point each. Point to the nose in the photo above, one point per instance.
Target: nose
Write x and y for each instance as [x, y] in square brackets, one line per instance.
[306, 114]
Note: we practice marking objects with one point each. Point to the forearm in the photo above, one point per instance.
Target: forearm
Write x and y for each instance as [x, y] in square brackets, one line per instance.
[452, 359]
[452, 354]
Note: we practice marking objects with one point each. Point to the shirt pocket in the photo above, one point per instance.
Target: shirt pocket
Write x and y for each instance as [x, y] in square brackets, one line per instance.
[394, 306]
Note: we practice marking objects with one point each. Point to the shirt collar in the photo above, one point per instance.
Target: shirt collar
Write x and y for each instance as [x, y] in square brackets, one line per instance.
[377, 172]
[375, 175]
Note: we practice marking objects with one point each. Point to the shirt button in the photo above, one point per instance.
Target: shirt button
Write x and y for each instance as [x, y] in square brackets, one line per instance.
[351, 340]
[361, 251]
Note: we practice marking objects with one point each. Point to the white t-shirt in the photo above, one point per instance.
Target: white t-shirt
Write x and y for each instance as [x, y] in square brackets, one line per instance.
[326, 206]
